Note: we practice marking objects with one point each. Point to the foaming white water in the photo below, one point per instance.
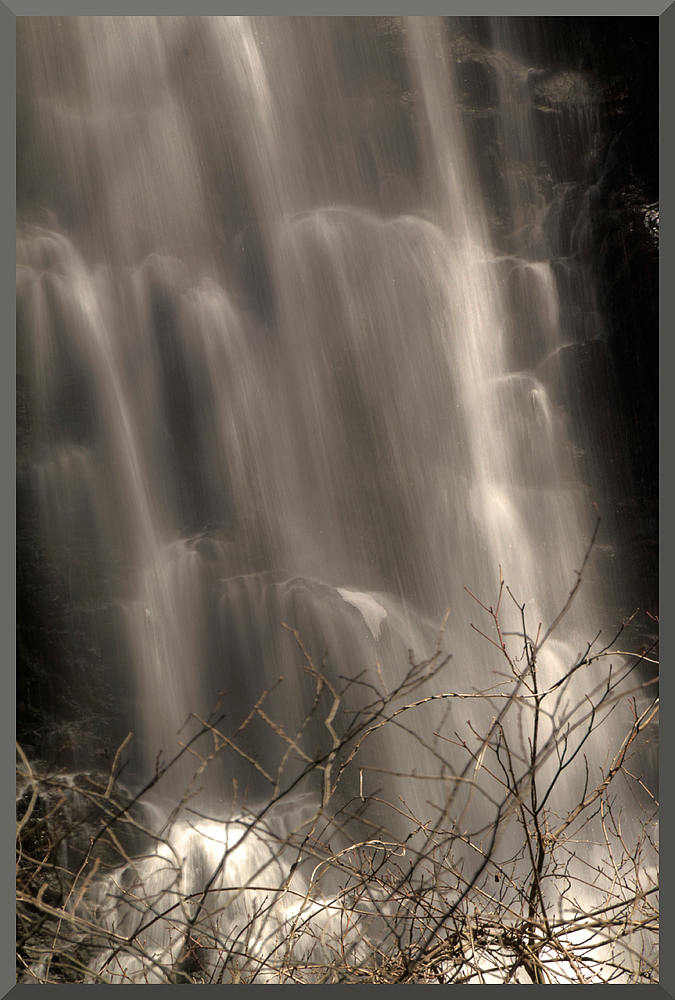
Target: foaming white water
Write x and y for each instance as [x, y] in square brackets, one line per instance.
[223, 898]
[372, 611]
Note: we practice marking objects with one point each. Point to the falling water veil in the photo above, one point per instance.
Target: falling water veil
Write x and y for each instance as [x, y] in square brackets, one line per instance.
[313, 590]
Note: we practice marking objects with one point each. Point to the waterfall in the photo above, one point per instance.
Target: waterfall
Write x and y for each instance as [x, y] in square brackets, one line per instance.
[293, 295]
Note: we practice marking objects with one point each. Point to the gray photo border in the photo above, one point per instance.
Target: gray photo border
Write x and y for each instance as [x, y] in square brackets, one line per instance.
[20, 8]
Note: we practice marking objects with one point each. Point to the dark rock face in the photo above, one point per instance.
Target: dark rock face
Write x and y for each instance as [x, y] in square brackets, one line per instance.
[589, 96]
[70, 826]
[625, 241]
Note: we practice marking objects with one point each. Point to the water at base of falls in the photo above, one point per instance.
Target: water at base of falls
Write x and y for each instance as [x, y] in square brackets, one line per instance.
[283, 401]
[259, 918]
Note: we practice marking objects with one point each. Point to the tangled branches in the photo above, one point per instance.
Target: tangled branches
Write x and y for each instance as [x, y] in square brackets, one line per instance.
[527, 858]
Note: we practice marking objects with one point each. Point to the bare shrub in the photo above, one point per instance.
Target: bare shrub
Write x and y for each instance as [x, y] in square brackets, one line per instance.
[282, 892]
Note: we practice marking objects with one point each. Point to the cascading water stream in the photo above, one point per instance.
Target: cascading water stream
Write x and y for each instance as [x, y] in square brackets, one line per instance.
[279, 365]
